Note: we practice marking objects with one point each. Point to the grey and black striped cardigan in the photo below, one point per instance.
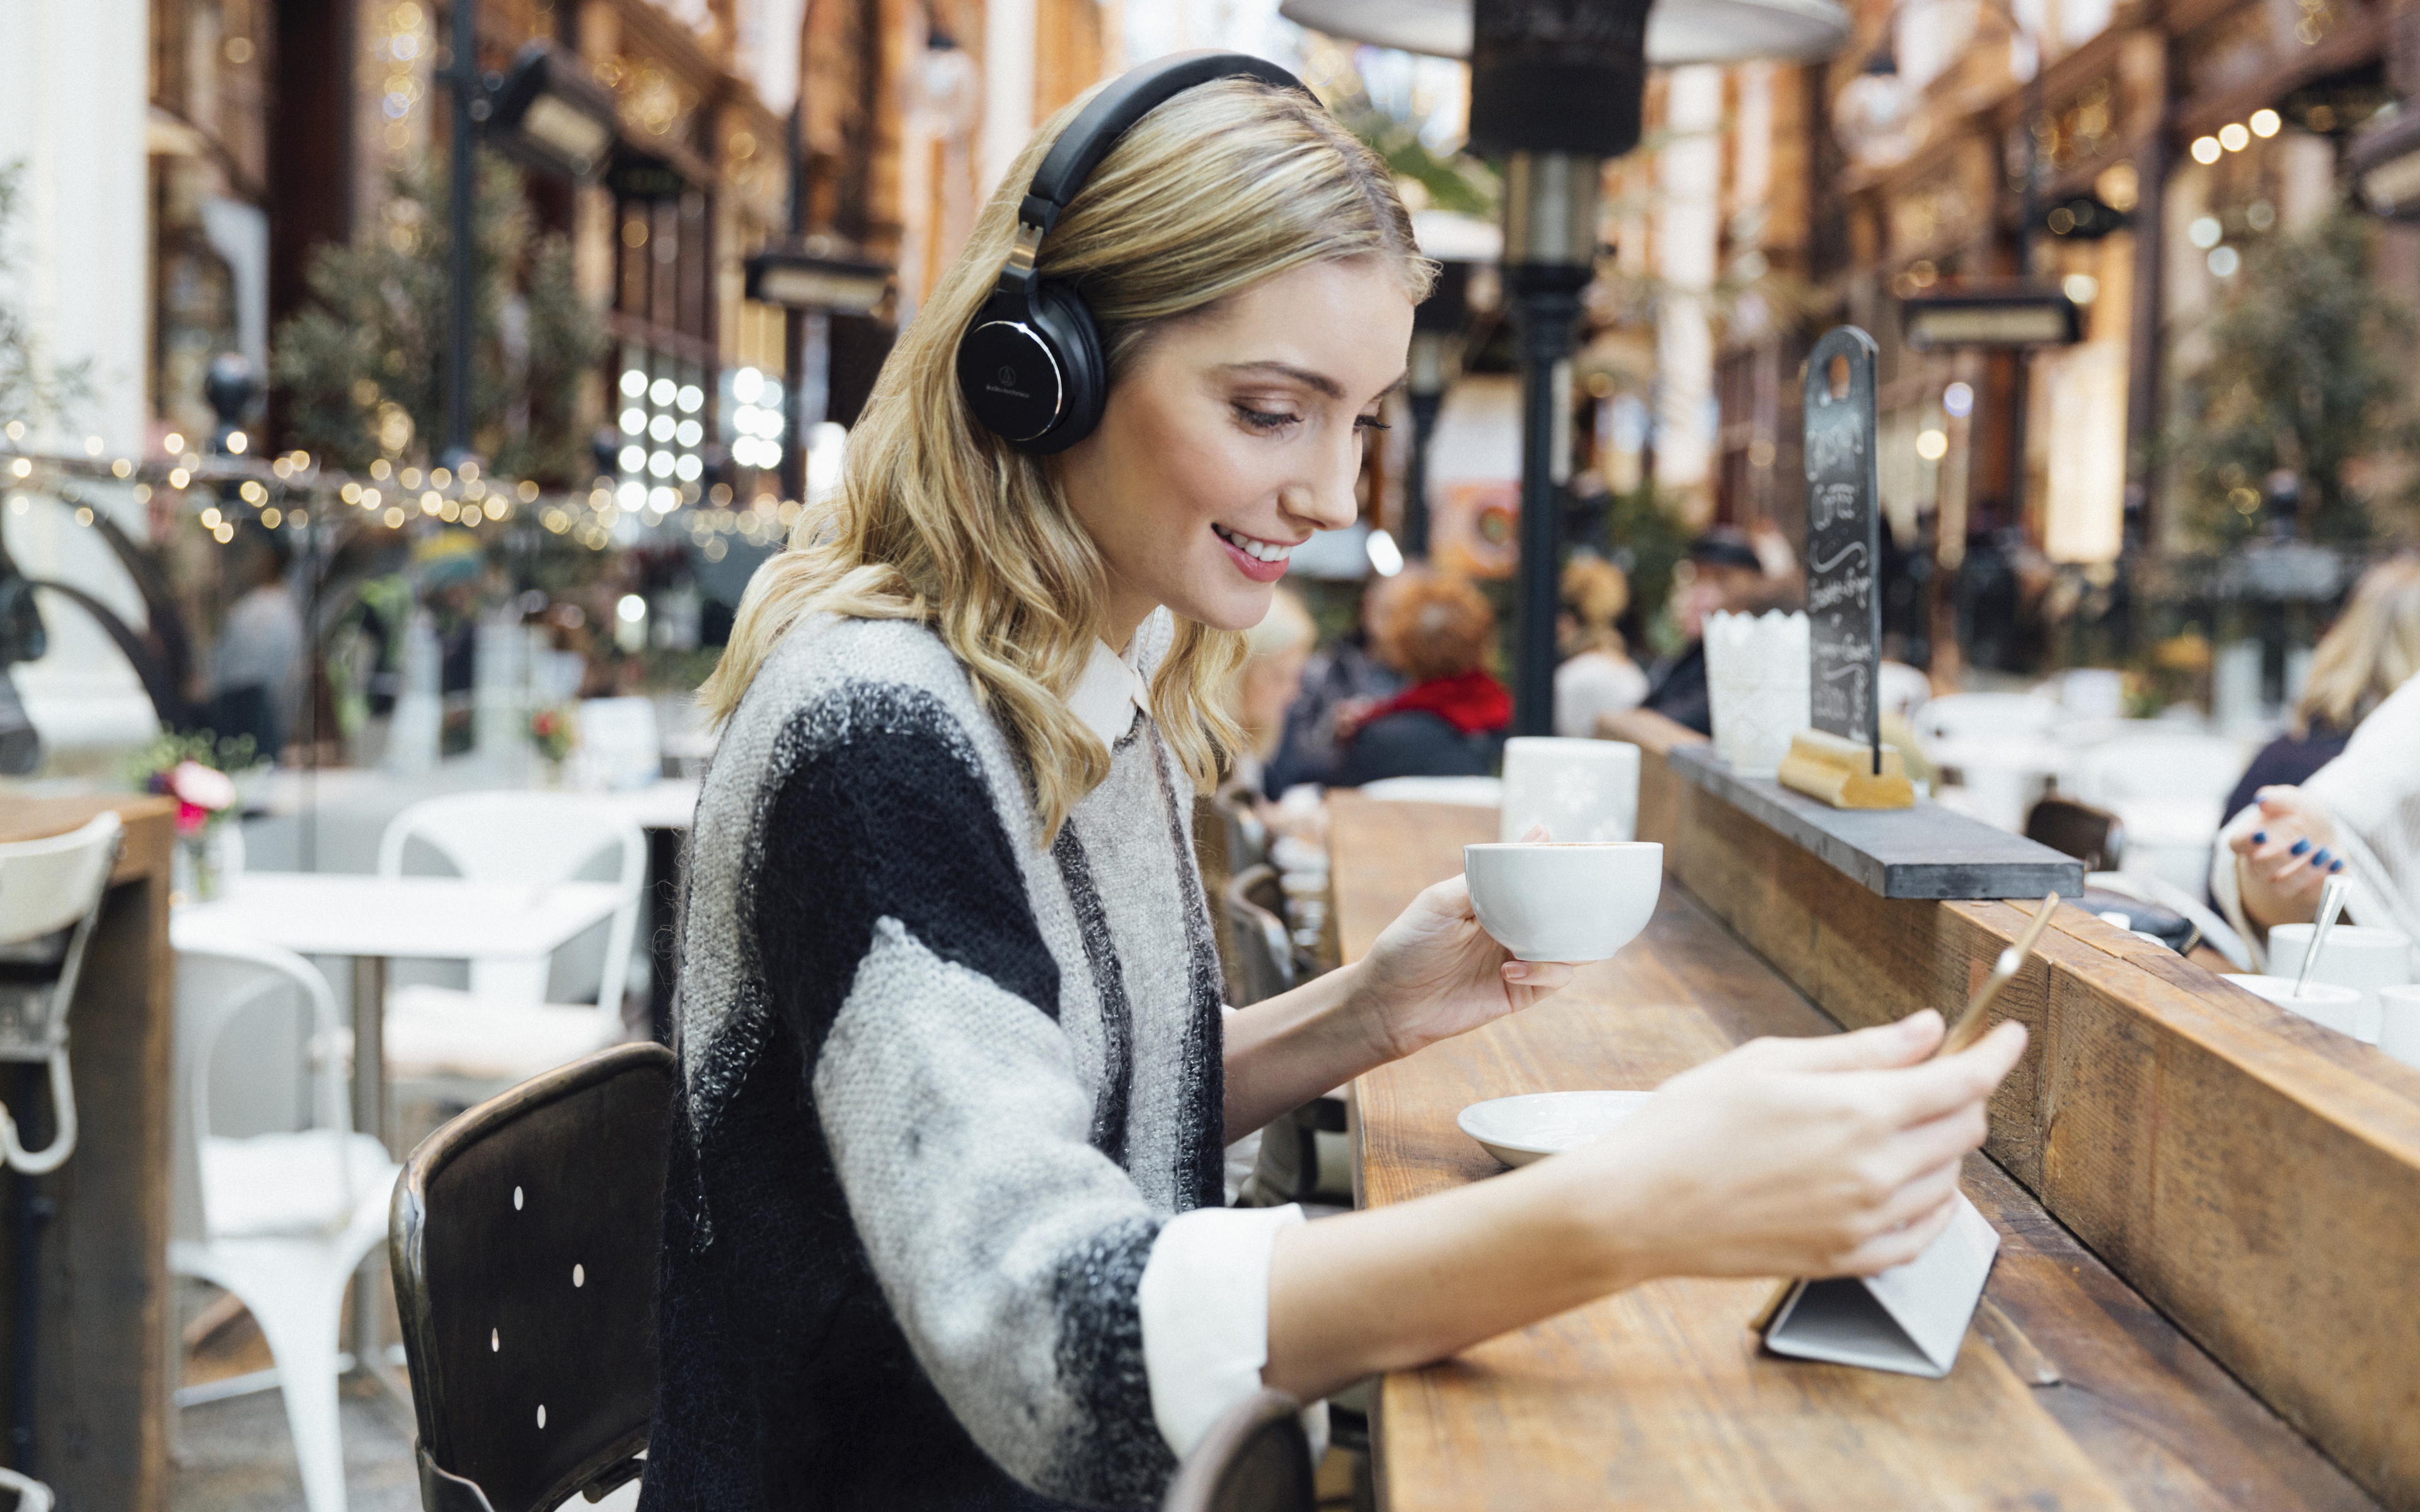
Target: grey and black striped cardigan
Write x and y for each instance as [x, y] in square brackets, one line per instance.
[944, 1088]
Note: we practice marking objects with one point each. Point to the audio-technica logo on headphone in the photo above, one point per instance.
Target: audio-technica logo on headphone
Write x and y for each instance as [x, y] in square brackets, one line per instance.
[1005, 382]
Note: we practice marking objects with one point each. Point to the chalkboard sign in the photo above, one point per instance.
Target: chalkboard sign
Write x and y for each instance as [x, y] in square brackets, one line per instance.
[1843, 538]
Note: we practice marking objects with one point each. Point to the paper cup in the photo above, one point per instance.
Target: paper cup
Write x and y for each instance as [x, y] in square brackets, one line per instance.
[1585, 790]
[2398, 1030]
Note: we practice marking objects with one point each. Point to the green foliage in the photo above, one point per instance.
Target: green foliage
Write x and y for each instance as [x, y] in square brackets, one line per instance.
[30, 388]
[1649, 540]
[363, 368]
[2304, 376]
[147, 770]
[1457, 182]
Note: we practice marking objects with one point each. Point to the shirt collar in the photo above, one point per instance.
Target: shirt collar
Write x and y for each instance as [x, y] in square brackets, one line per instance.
[1109, 694]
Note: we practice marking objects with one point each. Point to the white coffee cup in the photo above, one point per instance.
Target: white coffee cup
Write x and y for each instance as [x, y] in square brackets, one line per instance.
[1585, 790]
[2398, 1030]
[2324, 1003]
[1561, 900]
[2357, 956]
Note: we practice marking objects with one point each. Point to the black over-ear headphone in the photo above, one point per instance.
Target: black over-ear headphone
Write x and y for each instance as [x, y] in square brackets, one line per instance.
[1030, 363]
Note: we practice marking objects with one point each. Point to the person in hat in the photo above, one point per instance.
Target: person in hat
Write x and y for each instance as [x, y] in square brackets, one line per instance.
[1721, 572]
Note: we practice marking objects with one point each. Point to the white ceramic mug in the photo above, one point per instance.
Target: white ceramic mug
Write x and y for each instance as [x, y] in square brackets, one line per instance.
[1564, 901]
[2324, 1003]
[2398, 1031]
[1585, 790]
[2363, 958]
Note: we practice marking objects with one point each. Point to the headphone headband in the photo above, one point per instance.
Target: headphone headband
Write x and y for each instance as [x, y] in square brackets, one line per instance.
[1030, 363]
[1112, 113]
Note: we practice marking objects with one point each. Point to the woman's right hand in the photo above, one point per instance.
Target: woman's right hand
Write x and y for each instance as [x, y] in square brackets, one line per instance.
[1836, 1155]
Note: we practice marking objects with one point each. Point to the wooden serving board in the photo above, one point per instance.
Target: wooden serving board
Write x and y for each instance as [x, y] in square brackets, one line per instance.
[2070, 1393]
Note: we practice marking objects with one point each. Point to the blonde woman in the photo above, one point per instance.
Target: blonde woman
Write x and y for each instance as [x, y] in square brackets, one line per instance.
[2341, 792]
[940, 1219]
[1597, 676]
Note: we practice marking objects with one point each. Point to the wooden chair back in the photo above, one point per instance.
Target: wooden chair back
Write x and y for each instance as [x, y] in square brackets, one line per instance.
[1256, 1458]
[524, 1243]
[2094, 836]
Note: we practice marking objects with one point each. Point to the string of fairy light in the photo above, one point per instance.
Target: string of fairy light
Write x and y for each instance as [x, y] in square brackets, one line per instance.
[221, 492]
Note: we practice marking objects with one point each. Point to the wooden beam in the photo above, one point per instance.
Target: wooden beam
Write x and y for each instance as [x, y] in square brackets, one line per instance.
[101, 1429]
[2256, 1176]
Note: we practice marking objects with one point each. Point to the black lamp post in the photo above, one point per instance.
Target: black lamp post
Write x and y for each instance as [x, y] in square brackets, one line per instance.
[1556, 88]
[1436, 362]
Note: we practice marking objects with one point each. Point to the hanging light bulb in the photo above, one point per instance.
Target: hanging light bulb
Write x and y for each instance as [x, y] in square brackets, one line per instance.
[1876, 117]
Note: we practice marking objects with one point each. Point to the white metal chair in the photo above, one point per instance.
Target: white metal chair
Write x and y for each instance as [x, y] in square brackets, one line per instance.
[466, 1047]
[2000, 746]
[50, 896]
[2168, 785]
[1984, 716]
[282, 1214]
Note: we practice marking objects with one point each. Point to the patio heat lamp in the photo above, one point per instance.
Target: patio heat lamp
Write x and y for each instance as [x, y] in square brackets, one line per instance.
[1556, 88]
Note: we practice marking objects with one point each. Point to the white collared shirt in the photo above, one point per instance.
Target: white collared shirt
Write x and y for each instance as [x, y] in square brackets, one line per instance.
[1109, 694]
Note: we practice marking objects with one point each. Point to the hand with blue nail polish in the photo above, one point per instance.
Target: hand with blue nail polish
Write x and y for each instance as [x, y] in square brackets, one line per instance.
[2280, 865]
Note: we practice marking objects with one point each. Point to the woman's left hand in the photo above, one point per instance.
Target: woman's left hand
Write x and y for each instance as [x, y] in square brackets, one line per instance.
[1433, 973]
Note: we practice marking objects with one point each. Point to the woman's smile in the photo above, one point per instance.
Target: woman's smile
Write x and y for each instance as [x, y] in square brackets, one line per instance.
[1264, 562]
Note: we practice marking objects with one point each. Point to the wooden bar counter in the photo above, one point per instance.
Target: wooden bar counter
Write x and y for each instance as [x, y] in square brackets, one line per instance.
[2072, 1391]
[101, 1436]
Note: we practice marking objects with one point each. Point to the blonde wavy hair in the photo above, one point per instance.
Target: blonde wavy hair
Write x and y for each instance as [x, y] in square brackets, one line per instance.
[939, 520]
[2372, 650]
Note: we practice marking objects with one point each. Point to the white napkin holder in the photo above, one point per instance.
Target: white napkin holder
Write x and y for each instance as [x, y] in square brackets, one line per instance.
[1910, 1320]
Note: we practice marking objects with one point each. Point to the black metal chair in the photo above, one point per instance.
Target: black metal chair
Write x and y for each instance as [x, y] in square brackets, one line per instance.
[2094, 836]
[525, 1240]
[1256, 1458]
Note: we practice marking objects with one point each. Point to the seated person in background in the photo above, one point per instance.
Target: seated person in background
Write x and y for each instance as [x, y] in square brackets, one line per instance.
[1597, 675]
[1268, 682]
[2372, 650]
[1341, 685]
[1723, 572]
[2357, 817]
[256, 668]
[1451, 721]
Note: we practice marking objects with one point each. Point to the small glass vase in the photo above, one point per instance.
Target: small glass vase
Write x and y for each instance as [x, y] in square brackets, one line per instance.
[199, 871]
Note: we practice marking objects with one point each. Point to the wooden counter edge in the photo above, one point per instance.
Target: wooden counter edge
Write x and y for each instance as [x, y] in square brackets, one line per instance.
[2235, 1164]
[100, 1426]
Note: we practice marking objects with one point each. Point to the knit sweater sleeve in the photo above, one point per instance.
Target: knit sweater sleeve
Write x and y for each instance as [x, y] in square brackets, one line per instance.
[900, 944]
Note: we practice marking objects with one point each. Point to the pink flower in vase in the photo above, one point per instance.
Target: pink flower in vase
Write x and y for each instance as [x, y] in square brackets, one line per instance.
[200, 788]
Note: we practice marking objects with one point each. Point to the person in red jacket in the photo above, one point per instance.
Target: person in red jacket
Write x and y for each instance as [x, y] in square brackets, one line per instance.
[1451, 721]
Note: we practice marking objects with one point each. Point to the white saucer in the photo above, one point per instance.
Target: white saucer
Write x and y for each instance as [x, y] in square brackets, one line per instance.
[1518, 1130]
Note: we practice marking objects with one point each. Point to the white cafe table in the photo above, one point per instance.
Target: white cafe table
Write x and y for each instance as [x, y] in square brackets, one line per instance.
[376, 920]
[669, 803]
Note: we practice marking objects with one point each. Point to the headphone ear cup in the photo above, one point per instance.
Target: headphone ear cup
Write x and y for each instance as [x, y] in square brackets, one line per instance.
[1062, 319]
